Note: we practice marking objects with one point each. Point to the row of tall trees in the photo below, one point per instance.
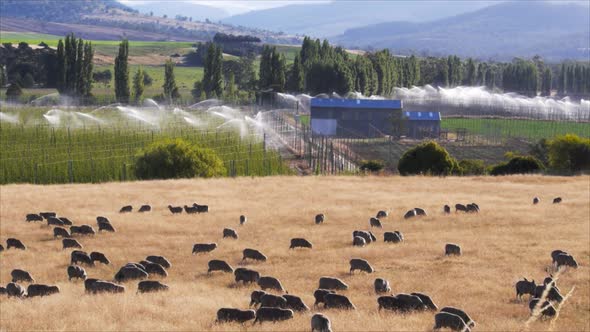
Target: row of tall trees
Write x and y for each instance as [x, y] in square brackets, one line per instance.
[574, 78]
[74, 67]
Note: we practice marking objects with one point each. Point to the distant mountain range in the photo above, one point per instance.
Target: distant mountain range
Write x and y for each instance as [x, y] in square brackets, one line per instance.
[198, 12]
[503, 31]
[333, 18]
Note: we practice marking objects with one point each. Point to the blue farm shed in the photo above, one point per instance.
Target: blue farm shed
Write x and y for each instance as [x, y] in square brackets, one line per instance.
[352, 117]
[422, 124]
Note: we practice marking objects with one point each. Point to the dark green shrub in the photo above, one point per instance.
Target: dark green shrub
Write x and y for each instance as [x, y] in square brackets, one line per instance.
[472, 167]
[518, 165]
[427, 158]
[13, 91]
[569, 153]
[372, 165]
[540, 150]
[170, 159]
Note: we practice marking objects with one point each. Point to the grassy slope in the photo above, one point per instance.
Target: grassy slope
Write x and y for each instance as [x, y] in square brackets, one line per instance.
[508, 240]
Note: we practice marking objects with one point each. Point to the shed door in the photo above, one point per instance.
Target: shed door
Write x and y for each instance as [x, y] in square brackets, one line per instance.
[326, 127]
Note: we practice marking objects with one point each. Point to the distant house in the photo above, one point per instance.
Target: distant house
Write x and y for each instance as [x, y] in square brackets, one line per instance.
[353, 117]
[422, 124]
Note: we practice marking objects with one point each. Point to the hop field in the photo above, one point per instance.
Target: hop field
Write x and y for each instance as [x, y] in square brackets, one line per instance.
[509, 239]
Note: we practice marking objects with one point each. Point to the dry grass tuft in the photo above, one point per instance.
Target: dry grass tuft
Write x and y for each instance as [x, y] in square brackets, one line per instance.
[509, 239]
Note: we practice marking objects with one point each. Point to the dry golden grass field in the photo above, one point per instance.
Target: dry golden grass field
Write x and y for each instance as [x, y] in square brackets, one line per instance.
[509, 239]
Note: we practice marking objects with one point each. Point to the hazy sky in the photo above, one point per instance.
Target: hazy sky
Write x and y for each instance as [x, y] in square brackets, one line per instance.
[238, 6]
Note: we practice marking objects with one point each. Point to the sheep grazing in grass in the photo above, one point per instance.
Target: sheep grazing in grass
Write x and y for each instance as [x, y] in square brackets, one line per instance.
[144, 208]
[15, 243]
[95, 286]
[545, 308]
[536, 200]
[420, 212]
[60, 231]
[320, 296]
[1, 248]
[71, 243]
[3, 290]
[154, 269]
[556, 253]
[273, 301]
[273, 283]
[190, 209]
[381, 286]
[219, 265]
[106, 226]
[76, 272]
[99, 257]
[47, 215]
[33, 217]
[320, 323]
[337, 301]
[78, 256]
[361, 265]
[175, 209]
[374, 222]
[332, 283]
[426, 300]
[66, 221]
[382, 214]
[246, 275]
[450, 321]
[126, 208]
[295, 303]
[472, 208]
[243, 219]
[19, 275]
[557, 200]
[235, 315]
[410, 214]
[253, 254]
[358, 241]
[525, 287]
[130, 273]
[447, 209]
[365, 235]
[201, 208]
[159, 260]
[150, 286]
[82, 230]
[15, 290]
[228, 232]
[393, 237]
[548, 292]
[265, 314]
[54, 221]
[464, 316]
[300, 243]
[460, 207]
[320, 218]
[100, 219]
[452, 249]
[401, 303]
[256, 297]
[41, 290]
[203, 247]
[565, 259]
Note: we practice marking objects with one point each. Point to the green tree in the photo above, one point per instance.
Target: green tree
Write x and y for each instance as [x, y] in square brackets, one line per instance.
[230, 89]
[170, 88]
[518, 165]
[569, 153]
[122, 73]
[172, 159]
[13, 91]
[88, 68]
[28, 81]
[2, 76]
[212, 82]
[61, 67]
[427, 158]
[138, 85]
[546, 83]
[296, 76]
[104, 77]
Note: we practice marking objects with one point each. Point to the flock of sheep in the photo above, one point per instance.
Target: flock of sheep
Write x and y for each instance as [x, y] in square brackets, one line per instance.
[268, 306]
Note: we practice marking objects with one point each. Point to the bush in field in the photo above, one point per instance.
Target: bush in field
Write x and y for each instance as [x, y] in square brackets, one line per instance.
[518, 165]
[14, 91]
[170, 159]
[427, 158]
[540, 150]
[372, 165]
[472, 167]
[569, 153]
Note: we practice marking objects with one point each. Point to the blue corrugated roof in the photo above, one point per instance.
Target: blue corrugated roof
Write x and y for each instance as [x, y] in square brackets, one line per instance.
[356, 103]
[417, 116]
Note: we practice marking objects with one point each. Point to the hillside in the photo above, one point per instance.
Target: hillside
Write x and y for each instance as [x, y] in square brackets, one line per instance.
[552, 30]
[329, 19]
[197, 12]
[108, 19]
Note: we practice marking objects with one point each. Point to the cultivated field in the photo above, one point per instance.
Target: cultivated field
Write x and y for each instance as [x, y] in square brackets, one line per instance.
[509, 239]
